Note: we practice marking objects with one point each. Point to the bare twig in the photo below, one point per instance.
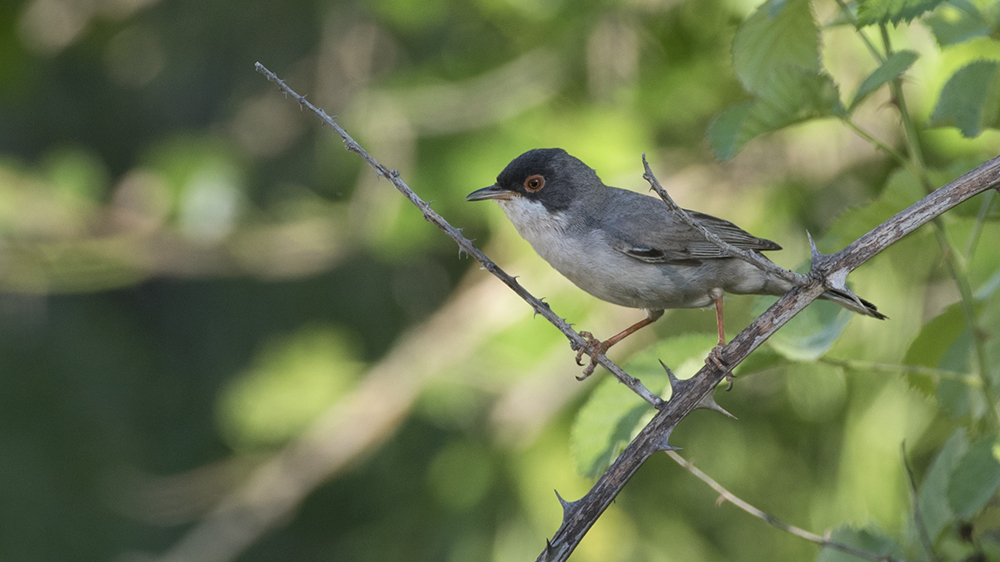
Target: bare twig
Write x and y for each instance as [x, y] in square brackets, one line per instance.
[576, 340]
[968, 379]
[774, 521]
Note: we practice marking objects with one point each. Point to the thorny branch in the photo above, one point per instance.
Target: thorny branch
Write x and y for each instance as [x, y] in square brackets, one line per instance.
[828, 271]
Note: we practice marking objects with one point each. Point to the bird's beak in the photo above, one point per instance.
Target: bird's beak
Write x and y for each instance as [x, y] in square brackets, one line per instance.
[492, 192]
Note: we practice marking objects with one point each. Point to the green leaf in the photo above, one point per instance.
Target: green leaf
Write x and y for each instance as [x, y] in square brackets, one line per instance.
[811, 333]
[891, 69]
[733, 129]
[871, 12]
[611, 415]
[864, 539]
[777, 35]
[932, 345]
[975, 479]
[933, 495]
[791, 95]
[960, 20]
[970, 100]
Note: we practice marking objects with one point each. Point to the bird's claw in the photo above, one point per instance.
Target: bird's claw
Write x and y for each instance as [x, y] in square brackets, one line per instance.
[715, 359]
[593, 348]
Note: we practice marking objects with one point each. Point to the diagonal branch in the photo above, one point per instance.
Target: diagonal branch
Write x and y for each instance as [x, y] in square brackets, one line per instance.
[576, 340]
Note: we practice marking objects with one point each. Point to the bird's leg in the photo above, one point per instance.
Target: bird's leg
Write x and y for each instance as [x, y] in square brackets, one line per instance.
[715, 356]
[595, 347]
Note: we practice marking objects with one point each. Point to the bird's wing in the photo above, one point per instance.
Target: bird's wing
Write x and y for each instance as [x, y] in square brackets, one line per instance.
[654, 233]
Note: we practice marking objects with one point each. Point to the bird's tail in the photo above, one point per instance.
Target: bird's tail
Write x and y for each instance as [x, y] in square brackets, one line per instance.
[843, 299]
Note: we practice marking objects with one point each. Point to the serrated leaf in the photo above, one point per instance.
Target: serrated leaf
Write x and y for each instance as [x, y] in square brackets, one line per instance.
[611, 415]
[891, 69]
[811, 333]
[791, 96]
[974, 480]
[933, 495]
[865, 539]
[959, 21]
[775, 36]
[970, 100]
[872, 12]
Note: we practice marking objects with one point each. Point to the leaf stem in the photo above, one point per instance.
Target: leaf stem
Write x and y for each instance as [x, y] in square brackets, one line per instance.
[899, 156]
[920, 370]
[864, 38]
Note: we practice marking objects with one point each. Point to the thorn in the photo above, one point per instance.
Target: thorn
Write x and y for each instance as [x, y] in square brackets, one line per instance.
[817, 258]
[567, 506]
[548, 550]
[719, 501]
[562, 501]
[709, 403]
[670, 374]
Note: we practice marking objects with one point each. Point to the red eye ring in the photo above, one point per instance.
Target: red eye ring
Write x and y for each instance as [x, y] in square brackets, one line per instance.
[534, 183]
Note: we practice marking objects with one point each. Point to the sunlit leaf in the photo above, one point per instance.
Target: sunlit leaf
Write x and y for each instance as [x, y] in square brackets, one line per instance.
[933, 495]
[790, 96]
[975, 479]
[970, 100]
[871, 12]
[775, 36]
[891, 69]
[610, 417]
[864, 539]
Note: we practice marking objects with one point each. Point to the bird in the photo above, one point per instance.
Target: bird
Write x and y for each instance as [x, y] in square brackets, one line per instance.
[628, 248]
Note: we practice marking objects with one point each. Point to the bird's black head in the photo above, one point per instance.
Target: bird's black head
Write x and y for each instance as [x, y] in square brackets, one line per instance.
[547, 175]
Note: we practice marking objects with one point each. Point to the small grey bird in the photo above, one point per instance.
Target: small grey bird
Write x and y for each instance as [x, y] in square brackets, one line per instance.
[628, 248]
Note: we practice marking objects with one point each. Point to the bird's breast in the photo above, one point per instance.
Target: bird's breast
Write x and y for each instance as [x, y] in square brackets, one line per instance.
[584, 257]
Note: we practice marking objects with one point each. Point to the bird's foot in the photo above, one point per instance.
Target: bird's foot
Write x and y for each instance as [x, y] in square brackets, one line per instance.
[593, 348]
[715, 359]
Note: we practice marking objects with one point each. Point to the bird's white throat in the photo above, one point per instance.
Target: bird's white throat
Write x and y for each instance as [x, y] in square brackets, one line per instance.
[547, 234]
[544, 230]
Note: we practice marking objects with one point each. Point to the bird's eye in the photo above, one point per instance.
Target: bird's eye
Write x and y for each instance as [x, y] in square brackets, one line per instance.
[534, 183]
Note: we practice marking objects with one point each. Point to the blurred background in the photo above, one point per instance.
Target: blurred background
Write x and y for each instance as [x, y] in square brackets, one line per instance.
[224, 338]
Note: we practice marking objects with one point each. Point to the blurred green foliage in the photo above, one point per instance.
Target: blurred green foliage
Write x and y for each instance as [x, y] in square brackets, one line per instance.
[198, 283]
